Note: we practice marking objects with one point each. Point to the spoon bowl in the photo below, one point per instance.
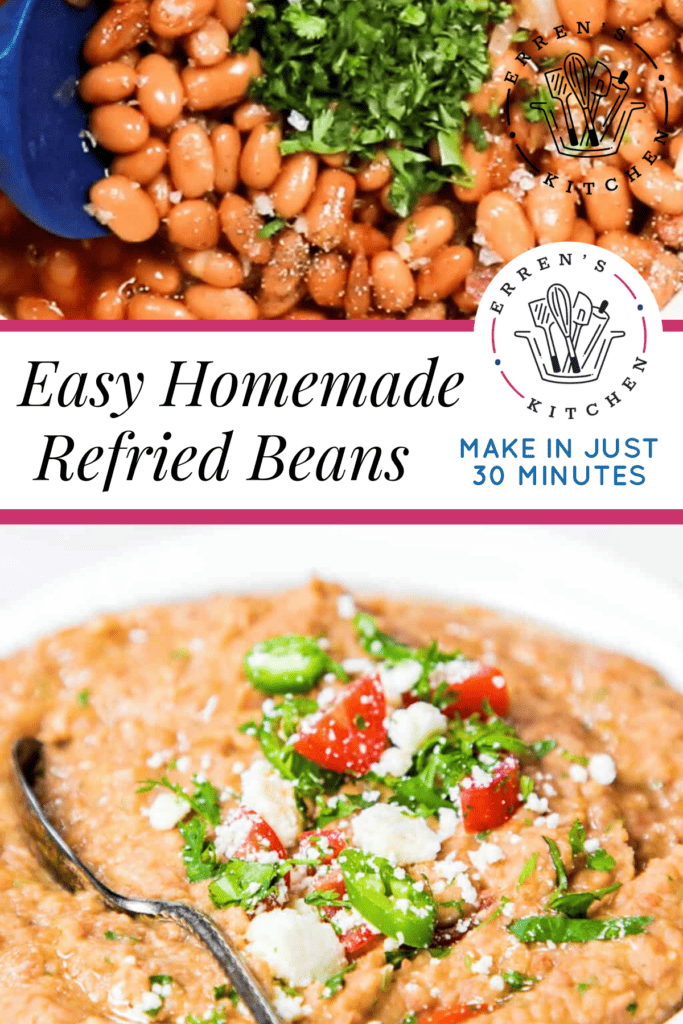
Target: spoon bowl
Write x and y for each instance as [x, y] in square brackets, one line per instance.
[63, 864]
[46, 163]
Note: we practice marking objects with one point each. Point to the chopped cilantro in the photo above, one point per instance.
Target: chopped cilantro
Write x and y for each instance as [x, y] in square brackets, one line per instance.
[542, 747]
[575, 758]
[528, 869]
[632, 1008]
[244, 883]
[477, 135]
[568, 929]
[271, 227]
[535, 107]
[601, 860]
[83, 698]
[205, 801]
[364, 75]
[526, 787]
[336, 982]
[180, 654]
[518, 982]
[577, 837]
[576, 904]
[216, 1017]
[555, 856]
[120, 937]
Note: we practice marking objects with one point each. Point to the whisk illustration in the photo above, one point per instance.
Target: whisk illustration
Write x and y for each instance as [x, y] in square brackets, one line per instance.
[579, 78]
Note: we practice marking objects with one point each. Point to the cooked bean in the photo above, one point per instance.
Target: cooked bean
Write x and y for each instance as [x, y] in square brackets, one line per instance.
[108, 83]
[423, 233]
[551, 211]
[357, 297]
[63, 278]
[159, 191]
[329, 211]
[326, 280]
[627, 13]
[642, 128]
[591, 14]
[294, 185]
[374, 174]
[208, 303]
[156, 307]
[231, 13]
[213, 266]
[609, 206]
[160, 91]
[161, 276]
[109, 301]
[305, 314]
[664, 276]
[125, 208]
[668, 109]
[208, 44]
[35, 307]
[249, 114]
[242, 224]
[637, 251]
[260, 161]
[505, 226]
[445, 272]
[194, 224]
[427, 311]
[223, 84]
[674, 11]
[583, 232]
[191, 161]
[392, 281]
[143, 165]
[282, 282]
[173, 18]
[226, 144]
[657, 36]
[336, 160]
[365, 239]
[659, 188]
[478, 166]
[119, 128]
[119, 29]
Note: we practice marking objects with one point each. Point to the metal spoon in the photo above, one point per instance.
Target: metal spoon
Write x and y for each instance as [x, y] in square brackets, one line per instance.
[69, 871]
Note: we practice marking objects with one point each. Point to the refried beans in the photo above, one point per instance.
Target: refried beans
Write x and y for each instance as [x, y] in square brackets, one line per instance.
[492, 833]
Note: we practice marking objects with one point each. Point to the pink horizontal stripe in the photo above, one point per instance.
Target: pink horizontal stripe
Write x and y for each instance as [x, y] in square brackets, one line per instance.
[255, 325]
[354, 516]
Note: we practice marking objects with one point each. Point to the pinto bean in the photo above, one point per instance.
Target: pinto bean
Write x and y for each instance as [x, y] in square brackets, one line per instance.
[231, 13]
[294, 185]
[226, 144]
[446, 271]
[160, 91]
[423, 233]
[659, 188]
[159, 191]
[374, 174]
[194, 224]
[329, 210]
[208, 44]
[609, 206]
[125, 208]
[173, 18]
[156, 307]
[212, 266]
[209, 303]
[249, 114]
[364, 238]
[119, 29]
[393, 284]
[260, 161]
[144, 164]
[591, 14]
[357, 297]
[551, 211]
[282, 280]
[505, 225]
[191, 161]
[161, 276]
[242, 224]
[222, 84]
[119, 128]
[108, 83]
[35, 307]
[326, 280]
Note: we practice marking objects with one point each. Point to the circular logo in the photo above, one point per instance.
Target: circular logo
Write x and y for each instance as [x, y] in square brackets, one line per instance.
[569, 329]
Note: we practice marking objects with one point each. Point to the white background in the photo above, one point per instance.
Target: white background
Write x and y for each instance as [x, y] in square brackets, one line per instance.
[436, 476]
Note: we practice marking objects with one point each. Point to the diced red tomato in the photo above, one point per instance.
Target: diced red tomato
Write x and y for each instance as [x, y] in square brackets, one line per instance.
[357, 940]
[487, 806]
[471, 693]
[259, 837]
[451, 1014]
[350, 737]
[332, 838]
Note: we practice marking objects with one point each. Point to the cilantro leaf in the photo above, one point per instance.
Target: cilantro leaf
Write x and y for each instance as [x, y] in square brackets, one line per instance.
[601, 860]
[199, 853]
[577, 904]
[244, 883]
[561, 879]
[577, 837]
[336, 982]
[568, 929]
[518, 982]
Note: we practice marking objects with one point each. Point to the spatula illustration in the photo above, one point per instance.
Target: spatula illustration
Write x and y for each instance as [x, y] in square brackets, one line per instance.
[579, 77]
[560, 306]
[541, 316]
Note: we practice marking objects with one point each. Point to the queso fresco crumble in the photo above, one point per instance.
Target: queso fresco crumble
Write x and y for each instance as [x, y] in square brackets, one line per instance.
[400, 812]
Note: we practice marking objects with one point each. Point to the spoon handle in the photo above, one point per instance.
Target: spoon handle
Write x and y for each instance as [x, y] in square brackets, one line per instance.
[244, 982]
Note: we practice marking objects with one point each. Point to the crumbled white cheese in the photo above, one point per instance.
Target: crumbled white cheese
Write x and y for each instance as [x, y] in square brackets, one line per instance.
[387, 831]
[487, 853]
[358, 666]
[394, 762]
[591, 845]
[297, 946]
[263, 205]
[207, 711]
[137, 636]
[398, 679]
[346, 606]
[409, 727]
[578, 773]
[483, 965]
[166, 811]
[602, 769]
[448, 823]
[290, 1007]
[536, 803]
[497, 983]
[266, 792]
[159, 758]
[300, 124]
